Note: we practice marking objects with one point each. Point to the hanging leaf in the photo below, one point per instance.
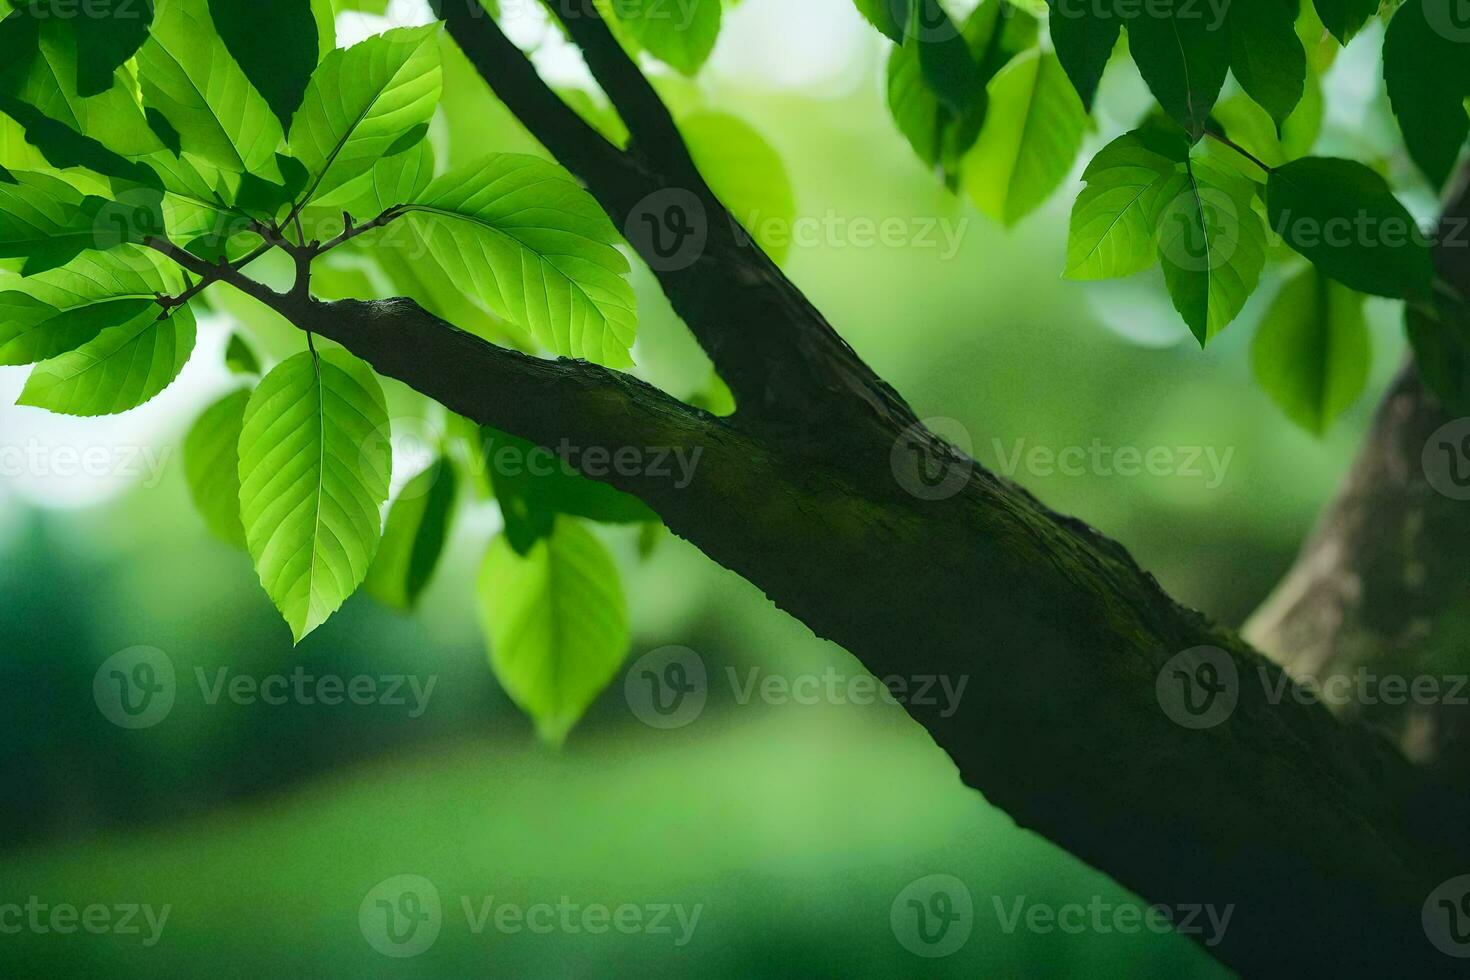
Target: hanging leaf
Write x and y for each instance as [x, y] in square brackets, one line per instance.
[682, 36]
[1084, 36]
[1344, 18]
[1266, 56]
[557, 624]
[1030, 140]
[315, 464]
[1212, 245]
[117, 370]
[1343, 217]
[1311, 353]
[1183, 53]
[212, 466]
[746, 174]
[1428, 76]
[413, 539]
[1115, 220]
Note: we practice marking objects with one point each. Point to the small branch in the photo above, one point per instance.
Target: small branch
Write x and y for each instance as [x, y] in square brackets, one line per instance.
[210, 273]
[214, 275]
[1227, 141]
[654, 133]
[351, 230]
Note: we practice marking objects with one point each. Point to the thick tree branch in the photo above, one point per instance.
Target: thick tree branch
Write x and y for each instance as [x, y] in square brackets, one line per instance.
[780, 357]
[1323, 840]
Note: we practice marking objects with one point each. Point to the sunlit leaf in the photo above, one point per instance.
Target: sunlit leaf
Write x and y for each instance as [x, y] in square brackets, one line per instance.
[1030, 140]
[212, 466]
[121, 368]
[1311, 352]
[315, 464]
[363, 99]
[537, 249]
[557, 624]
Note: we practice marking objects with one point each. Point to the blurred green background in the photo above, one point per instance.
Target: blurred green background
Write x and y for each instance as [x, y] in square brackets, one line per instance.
[793, 827]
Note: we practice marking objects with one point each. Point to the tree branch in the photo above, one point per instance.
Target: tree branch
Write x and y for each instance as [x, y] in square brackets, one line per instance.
[782, 360]
[1297, 822]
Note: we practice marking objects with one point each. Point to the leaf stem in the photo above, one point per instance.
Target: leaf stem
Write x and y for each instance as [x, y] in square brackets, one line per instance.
[1227, 141]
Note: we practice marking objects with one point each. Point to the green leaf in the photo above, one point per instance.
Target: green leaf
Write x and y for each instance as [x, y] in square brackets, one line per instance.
[1031, 136]
[119, 369]
[315, 465]
[557, 625]
[1311, 353]
[413, 540]
[1266, 55]
[1115, 220]
[746, 174]
[681, 35]
[1427, 70]
[363, 99]
[212, 466]
[393, 181]
[944, 57]
[1212, 246]
[534, 485]
[1183, 53]
[108, 33]
[1344, 18]
[537, 249]
[889, 16]
[46, 315]
[1084, 36]
[995, 33]
[1342, 216]
[48, 222]
[275, 43]
[189, 77]
[112, 115]
[239, 358]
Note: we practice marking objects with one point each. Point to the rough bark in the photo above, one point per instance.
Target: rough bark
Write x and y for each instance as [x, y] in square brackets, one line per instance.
[823, 492]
